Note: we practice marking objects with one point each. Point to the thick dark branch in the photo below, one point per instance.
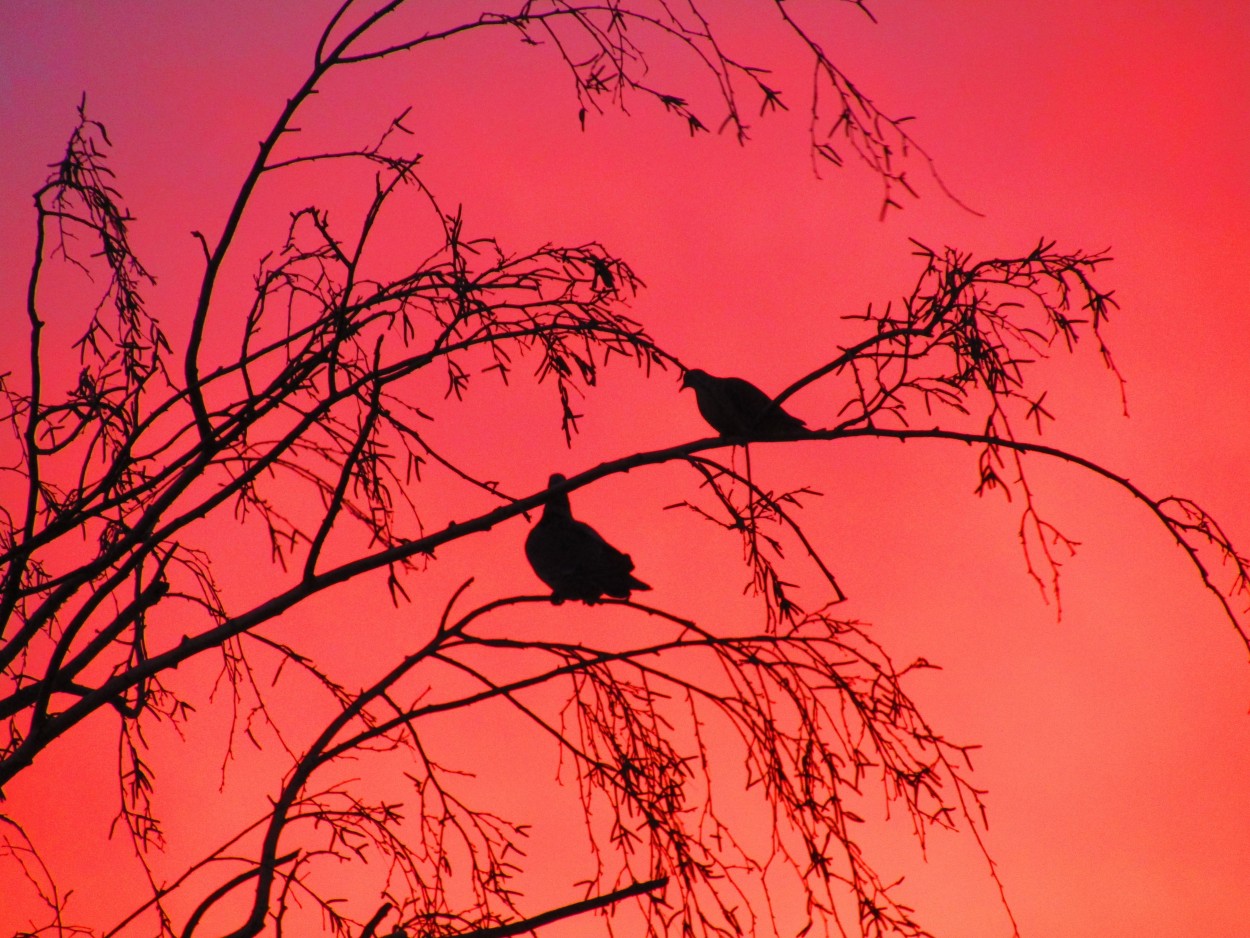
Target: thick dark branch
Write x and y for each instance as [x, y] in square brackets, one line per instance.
[18, 564]
[211, 638]
[568, 911]
[217, 256]
[345, 475]
[225, 889]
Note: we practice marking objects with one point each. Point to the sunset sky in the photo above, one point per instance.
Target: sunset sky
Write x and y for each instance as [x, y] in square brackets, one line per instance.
[1115, 738]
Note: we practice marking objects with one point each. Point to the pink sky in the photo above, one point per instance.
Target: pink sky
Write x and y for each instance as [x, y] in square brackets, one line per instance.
[1116, 741]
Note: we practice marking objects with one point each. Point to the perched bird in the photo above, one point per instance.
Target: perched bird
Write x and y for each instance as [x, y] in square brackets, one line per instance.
[570, 556]
[737, 408]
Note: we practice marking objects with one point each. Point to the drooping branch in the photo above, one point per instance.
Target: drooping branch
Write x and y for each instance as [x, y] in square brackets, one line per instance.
[624, 753]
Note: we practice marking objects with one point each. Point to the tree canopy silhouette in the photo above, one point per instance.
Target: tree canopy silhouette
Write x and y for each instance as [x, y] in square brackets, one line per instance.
[305, 412]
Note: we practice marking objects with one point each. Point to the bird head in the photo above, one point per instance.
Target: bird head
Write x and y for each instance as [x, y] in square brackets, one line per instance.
[557, 505]
[693, 378]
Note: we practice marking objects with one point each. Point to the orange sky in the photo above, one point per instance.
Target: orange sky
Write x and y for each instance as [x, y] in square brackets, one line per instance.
[1116, 741]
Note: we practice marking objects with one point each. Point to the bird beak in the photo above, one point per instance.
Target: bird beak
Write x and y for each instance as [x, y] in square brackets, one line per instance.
[685, 381]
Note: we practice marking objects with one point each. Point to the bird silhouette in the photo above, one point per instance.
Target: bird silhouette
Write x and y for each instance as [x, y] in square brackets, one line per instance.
[737, 408]
[573, 559]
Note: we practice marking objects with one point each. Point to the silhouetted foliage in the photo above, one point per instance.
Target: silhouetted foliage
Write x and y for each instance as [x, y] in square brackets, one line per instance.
[312, 428]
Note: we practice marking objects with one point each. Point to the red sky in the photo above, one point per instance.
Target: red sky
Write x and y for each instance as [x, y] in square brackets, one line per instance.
[1116, 741]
